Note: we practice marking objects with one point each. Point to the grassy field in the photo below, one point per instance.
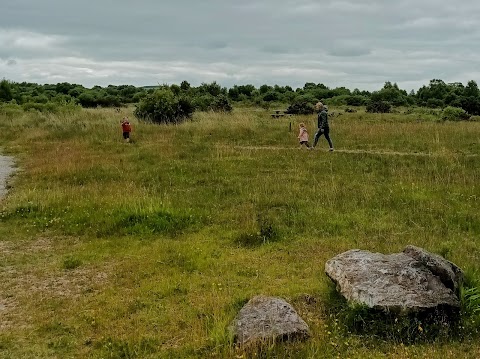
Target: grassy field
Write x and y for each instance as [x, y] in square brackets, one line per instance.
[149, 249]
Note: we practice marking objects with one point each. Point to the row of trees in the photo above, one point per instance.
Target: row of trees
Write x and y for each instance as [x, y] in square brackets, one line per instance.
[212, 96]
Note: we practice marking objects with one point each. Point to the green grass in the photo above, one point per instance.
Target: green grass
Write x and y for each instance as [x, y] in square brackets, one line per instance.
[149, 249]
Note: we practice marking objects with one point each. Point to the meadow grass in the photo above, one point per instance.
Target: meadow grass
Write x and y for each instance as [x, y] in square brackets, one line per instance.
[149, 249]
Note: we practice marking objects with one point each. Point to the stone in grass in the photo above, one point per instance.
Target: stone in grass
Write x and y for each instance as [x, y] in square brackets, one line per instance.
[393, 283]
[449, 273]
[268, 319]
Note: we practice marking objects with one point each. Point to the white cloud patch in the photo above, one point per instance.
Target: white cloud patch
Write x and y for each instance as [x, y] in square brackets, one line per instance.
[357, 7]
[26, 40]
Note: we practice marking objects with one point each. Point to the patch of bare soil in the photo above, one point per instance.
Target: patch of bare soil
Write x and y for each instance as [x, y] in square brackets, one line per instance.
[22, 289]
[6, 170]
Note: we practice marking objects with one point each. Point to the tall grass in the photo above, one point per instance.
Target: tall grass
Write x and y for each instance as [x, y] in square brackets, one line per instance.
[148, 249]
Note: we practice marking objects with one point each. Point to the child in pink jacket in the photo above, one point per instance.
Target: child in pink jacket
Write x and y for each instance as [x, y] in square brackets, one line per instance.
[303, 136]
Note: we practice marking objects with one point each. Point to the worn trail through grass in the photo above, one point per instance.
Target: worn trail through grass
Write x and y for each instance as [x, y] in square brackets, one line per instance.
[355, 151]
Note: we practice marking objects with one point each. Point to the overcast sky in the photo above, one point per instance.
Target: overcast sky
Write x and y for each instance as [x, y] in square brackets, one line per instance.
[356, 44]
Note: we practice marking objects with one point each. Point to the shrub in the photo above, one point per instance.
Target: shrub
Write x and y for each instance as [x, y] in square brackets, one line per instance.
[5, 91]
[208, 102]
[203, 102]
[340, 100]
[271, 96]
[51, 107]
[221, 104]
[379, 107]
[454, 114]
[163, 106]
[300, 108]
[10, 110]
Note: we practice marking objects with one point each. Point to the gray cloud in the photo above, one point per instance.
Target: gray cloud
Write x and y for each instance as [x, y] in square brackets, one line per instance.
[359, 43]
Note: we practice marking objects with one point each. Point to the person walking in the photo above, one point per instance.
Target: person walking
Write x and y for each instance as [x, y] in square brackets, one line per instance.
[126, 129]
[323, 128]
[303, 136]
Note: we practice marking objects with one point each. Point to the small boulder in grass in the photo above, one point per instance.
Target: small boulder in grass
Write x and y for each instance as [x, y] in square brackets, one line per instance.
[266, 319]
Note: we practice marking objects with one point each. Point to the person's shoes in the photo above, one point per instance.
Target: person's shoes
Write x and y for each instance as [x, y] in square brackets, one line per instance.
[331, 149]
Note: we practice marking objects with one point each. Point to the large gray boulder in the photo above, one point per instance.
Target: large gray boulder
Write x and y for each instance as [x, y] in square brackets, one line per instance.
[395, 282]
[449, 273]
[268, 318]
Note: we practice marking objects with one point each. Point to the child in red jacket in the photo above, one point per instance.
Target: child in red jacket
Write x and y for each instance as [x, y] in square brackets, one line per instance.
[126, 128]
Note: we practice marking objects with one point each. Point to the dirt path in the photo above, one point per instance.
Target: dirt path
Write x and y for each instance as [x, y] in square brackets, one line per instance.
[358, 151]
[6, 169]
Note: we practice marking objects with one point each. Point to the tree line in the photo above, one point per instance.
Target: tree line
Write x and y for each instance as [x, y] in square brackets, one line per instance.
[213, 97]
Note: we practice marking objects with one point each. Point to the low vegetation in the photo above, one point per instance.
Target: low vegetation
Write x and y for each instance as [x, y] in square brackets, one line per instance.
[148, 249]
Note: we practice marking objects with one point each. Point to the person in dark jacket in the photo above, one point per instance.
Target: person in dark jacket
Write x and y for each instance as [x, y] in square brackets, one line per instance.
[323, 128]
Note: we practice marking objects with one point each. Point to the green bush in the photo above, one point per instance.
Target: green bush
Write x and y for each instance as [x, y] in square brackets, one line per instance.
[302, 105]
[208, 102]
[379, 107]
[5, 91]
[300, 108]
[454, 114]
[10, 110]
[356, 100]
[340, 100]
[221, 104]
[163, 106]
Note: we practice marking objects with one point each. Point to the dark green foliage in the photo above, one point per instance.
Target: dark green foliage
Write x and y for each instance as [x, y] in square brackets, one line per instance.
[454, 114]
[185, 86]
[302, 105]
[5, 91]
[221, 104]
[379, 107]
[471, 104]
[347, 318]
[356, 100]
[208, 102]
[434, 103]
[300, 108]
[271, 96]
[163, 106]
[390, 93]
[214, 97]
[471, 300]
[213, 89]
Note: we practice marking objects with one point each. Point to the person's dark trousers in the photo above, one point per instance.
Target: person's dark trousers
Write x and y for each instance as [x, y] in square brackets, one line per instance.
[326, 133]
[305, 143]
